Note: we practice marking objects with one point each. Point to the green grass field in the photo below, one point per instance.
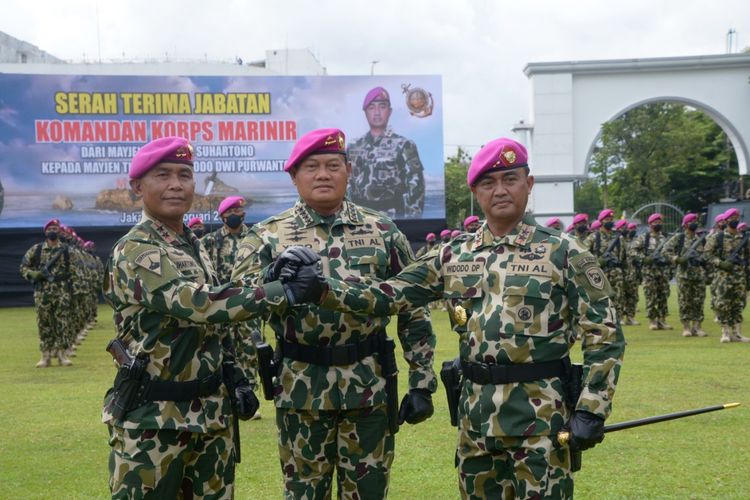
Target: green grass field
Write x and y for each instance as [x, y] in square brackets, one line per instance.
[54, 446]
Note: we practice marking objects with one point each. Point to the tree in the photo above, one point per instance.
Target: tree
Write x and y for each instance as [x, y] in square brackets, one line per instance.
[662, 151]
[587, 198]
[457, 193]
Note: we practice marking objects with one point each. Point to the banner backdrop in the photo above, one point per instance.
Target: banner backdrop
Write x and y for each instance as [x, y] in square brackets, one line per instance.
[66, 141]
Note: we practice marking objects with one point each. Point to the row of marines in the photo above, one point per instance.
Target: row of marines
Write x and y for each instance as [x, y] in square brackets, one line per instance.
[695, 257]
[67, 276]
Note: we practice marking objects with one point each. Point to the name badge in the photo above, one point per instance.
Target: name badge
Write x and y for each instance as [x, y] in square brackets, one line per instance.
[463, 268]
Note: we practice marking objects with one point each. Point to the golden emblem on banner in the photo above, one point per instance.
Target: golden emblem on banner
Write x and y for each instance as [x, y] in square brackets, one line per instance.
[418, 100]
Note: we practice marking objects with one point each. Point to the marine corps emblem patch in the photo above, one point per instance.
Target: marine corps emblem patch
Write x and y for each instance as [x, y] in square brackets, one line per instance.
[151, 260]
[595, 277]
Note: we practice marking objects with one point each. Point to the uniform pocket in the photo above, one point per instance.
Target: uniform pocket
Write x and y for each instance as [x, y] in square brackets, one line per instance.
[526, 306]
[463, 286]
[369, 265]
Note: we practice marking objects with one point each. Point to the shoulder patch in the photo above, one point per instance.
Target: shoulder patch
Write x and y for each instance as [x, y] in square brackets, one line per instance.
[595, 276]
[150, 260]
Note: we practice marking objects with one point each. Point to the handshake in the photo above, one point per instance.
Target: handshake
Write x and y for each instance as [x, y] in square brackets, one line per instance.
[298, 269]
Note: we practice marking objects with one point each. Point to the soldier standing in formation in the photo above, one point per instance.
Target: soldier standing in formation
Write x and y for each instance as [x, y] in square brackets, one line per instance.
[222, 246]
[647, 251]
[429, 244]
[47, 265]
[387, 173]
[554, 223]
[169, 414]
[331, 394]
[471, 224]
[196, 226]
[580, 227]
[728, 251]
[685, 250]
[608, 248]
[526, 290]
[631, 278]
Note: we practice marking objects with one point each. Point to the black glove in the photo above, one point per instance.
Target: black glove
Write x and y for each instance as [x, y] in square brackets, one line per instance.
[247, 401]
[416, 407]
[586, 429]
[289, 261]
[306, 285]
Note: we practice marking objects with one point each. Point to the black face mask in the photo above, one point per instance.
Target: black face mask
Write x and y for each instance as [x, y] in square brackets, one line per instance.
[198, 232]
[693, 226]
[632, 233]
[657, 228]
[580, 229]
[734, 223]
[233, 221]
[608, 225]
[51, 235]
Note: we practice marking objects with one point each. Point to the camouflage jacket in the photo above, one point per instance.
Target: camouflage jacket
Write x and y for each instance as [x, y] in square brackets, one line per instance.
[642, 248]
[222, 247]
[161, 287]
[720, 246]
[355, 242]
[60, 274]
[599, 241]
[426, 248]
[387, 175]
[526, 295]
[678, 245]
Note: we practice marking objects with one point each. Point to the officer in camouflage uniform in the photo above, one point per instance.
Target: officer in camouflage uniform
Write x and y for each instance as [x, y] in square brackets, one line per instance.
[387, 174]
[607, 246]
[631, 277]
[173, 438]
[728, 251]
[648, 252]
[719, 225]
[685, 250]
[222, 246]
[47, 265]
[526, 289]
[330, 393]
[97, 269]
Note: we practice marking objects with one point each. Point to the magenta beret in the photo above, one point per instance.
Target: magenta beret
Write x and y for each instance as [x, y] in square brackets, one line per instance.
[470, 220]
[552, 220]
[719, 218]
[230, 202]
[620, 223]
[654, 217]
[741, 226]
[607, 212]
[193, 221]
[52, 222]
[320, 141]
[445, 232]
[580, 218]
[455, 233]
[164, 150]
[500, 154]
[632, 226]
[430, 237]
[570, 228]
[376, 94]
[730, 212]
[596, 224]
[689, 217]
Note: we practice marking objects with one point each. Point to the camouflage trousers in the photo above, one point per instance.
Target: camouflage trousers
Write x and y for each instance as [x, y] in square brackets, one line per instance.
[729, 296]
[79, 311]
[356, 443]
[53, 318]
[630, 294]
[170, 464]
[615, 277]
[691, 294]
[656, 290]
[512, 467]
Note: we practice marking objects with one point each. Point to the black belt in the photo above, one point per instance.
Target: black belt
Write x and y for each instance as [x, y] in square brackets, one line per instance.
[484, 373]
[162, 390]
[338, 355]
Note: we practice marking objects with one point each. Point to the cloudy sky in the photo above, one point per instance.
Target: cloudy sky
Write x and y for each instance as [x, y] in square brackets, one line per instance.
[480, 47]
